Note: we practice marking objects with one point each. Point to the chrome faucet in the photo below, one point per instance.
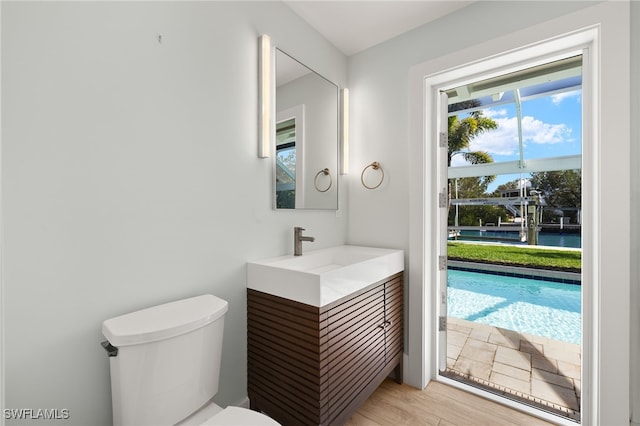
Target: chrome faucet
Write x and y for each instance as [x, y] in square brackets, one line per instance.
[298, 238]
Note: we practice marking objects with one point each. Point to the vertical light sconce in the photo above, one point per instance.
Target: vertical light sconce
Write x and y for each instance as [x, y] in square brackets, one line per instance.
[344, 132]
[266, 119]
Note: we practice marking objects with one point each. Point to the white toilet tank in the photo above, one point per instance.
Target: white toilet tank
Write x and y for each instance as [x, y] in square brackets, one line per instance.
[165, 360]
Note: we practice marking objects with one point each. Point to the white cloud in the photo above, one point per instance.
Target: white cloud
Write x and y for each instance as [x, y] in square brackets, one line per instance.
[504, 139]
[539, 132]
[557, 99]
[492, 113]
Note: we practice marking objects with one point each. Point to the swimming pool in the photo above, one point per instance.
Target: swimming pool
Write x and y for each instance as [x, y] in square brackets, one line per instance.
[531, 306]
[553, 239]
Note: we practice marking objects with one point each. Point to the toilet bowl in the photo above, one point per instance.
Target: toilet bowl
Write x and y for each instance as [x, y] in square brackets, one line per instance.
[237, 416]
[165, 365]
[214, 415]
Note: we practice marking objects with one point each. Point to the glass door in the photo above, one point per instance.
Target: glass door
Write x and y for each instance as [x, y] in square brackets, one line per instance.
[509, 264]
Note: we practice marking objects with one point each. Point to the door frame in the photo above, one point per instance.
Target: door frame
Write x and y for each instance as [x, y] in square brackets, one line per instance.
[502, 65]
[602, 28]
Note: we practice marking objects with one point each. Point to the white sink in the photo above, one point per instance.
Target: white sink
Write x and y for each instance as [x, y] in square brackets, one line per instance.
[320, 277]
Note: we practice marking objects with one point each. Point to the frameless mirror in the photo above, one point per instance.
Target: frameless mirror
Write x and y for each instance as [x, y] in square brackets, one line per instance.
[306, 151]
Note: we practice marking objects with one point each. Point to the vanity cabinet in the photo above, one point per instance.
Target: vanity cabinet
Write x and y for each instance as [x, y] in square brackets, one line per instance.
[317, 365]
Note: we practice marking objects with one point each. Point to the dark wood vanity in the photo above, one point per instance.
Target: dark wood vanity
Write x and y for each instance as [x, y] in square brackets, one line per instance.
[317, 365]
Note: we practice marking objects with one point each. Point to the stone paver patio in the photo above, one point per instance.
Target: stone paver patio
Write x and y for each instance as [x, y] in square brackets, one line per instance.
[534, 370]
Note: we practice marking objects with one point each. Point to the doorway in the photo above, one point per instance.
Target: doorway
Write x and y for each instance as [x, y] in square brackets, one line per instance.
[605, 274]
[510, 294]
[429, 212]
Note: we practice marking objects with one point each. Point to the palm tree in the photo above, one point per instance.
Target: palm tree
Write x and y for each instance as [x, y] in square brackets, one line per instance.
[461, 132]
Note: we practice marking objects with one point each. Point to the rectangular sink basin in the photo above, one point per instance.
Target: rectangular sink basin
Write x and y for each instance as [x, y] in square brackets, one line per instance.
[320, 277]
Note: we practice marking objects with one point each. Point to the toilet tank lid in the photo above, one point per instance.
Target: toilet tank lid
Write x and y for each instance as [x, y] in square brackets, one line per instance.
[163, 321]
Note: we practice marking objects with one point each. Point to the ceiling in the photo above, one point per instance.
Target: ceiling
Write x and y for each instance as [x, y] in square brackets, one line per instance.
[353, 26]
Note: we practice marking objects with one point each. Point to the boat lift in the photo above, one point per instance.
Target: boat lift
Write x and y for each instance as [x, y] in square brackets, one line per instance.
[528, 208]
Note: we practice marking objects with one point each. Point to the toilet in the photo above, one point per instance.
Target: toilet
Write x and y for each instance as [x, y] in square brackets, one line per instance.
[165, 366]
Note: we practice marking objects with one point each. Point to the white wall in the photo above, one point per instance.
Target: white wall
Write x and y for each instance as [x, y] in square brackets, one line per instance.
[379, 82]
[130, 178]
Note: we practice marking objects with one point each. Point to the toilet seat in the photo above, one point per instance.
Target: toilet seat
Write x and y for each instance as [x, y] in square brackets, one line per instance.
[238, 416]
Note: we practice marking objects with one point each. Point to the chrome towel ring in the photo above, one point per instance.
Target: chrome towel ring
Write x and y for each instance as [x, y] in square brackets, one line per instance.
[375, 166]
[325, 172]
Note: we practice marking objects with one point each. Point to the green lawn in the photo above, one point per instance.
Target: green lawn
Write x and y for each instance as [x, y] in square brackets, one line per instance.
[530, 257]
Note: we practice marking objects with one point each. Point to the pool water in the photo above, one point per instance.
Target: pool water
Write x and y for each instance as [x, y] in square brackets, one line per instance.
[537, 307]
[544, 238]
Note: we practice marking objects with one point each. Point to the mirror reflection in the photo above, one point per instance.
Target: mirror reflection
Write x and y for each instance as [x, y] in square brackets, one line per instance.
[286, 159]
[306, 158]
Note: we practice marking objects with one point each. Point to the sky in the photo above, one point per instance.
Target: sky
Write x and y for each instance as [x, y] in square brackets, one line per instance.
[551, 127]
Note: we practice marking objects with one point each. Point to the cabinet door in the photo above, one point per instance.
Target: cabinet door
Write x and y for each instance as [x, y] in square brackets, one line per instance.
[286, 348]
[394, 316]
[356, 345]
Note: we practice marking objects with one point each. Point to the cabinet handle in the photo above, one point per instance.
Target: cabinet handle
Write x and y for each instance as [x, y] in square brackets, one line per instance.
[385, 324]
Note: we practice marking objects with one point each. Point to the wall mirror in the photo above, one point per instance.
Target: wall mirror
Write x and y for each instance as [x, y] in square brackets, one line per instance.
[306, 137]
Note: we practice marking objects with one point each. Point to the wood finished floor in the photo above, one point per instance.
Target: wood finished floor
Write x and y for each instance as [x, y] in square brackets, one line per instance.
[438, 405]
